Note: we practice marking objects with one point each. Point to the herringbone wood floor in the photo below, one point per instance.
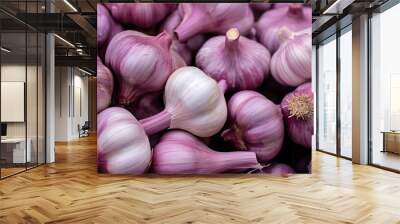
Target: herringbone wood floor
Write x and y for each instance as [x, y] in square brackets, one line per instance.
[71, 191]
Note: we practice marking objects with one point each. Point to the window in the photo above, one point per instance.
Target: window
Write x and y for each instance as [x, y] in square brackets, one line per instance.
[346, 93]
[327, 96]
[385, 89]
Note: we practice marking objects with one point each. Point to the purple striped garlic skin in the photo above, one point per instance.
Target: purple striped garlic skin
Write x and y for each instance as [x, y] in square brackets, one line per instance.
[291, 64]
[278, 169]
[142, 15]
[281, 5]
[105, 86]
[183, 48]
[141, 63]
[260, 6]
[179, 152]
[148, 105]
[295, 17]
[193, 102]
[122, 145]
[298, 111]
[213, 18]
[256, 125]
[170, 24]
[107, 28]
[242, 62]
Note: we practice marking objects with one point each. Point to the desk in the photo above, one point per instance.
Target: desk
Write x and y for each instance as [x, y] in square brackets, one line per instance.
[16, 147]
[391, 141]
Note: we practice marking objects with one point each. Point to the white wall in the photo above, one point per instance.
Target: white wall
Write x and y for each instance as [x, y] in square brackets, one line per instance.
[62, 81]
[70, 82]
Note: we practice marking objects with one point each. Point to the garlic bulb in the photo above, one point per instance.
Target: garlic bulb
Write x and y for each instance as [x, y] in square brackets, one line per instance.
[181, 153]
[106, 29]
[298, 111]
[255, 125]
[242, 62]
[291, 64]
[105, 86]
[122, 145]
[213, 17]
[295, 17]
[193, 102]
[141, 63]
[143, 15]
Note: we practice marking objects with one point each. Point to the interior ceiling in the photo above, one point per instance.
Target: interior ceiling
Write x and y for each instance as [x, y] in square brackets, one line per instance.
[64, 20]
[325, 24]
[77, 27]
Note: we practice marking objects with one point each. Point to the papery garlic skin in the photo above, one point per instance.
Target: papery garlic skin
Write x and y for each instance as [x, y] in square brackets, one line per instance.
[291, 64]
[105, 86]
[255, 125]
[298, 112]
[142, 15]
[278, 169]
[122, 145]
[295, 17]
[141, 63]
[181, 153]
[242, 62]
[213, 17]
[183, 48]
[148, 105]
[195, 102]
[106, 28]
[260, 6]
[281, 5]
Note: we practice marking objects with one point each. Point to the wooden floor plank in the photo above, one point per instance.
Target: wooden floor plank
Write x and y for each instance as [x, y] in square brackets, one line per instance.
[71, 191]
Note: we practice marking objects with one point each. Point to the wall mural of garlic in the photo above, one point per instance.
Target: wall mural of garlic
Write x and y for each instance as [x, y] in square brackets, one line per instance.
[204, 88]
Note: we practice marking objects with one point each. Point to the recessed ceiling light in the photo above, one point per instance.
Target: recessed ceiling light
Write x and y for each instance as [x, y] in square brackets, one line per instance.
[70, 5]
[65, 41]
[5, 50]
[84, 71]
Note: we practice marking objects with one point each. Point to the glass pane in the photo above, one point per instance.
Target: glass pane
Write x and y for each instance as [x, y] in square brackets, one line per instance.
[346, 94]
[41, 98]
[13, 87]
[327, 97]
[31, 98]
[385, 84]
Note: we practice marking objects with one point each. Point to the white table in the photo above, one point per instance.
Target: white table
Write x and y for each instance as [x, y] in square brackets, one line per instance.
[18, 145]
